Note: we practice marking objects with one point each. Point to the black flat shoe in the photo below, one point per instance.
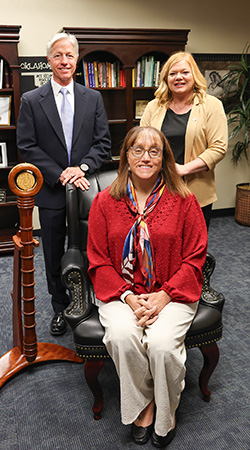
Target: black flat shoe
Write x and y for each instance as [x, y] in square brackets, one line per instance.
[141, 435]
[162, 441]
[58, 325]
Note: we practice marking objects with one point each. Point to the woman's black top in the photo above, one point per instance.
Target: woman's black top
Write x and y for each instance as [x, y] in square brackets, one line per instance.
[174, 128]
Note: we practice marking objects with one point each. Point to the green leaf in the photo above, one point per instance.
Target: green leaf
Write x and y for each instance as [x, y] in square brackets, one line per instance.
[236, 101]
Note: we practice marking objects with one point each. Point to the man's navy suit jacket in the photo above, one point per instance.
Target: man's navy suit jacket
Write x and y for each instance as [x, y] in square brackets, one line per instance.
[41, 142]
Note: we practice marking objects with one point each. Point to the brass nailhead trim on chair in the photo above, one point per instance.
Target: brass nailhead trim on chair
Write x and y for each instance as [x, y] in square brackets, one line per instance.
[203, 343]
[206, 333]
[78, 348]
[206, 286]
[77, 289]
[188, 346]
[206, 342]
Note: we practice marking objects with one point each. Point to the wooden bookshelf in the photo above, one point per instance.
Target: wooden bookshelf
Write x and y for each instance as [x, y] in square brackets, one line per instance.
[125, 46]
[10, 86]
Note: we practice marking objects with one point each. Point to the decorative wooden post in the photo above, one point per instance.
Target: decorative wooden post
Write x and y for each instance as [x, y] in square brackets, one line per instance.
[25, 180]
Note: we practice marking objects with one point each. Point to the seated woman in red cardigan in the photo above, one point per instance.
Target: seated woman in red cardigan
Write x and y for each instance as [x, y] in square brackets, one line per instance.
[147, 244]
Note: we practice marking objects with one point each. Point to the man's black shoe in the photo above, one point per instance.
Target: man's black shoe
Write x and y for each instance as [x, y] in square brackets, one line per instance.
[58, 325]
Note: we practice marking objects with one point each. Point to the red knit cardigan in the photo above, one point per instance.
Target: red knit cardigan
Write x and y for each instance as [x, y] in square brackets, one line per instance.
[178, 237]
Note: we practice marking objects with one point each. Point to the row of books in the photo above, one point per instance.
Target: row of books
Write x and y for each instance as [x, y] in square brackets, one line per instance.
[98, 74]
[103, 74]
[5, 75]
[146, 73]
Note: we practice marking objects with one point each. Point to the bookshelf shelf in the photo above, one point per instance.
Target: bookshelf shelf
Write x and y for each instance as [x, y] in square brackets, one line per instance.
[110, 88]
[127, 46]
[115, 121]
[10, 202]
[10, 85]
[6, 90]
[7, 127]
[139, 88]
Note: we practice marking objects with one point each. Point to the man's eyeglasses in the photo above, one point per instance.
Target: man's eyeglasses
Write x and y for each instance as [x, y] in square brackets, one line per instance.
[138, 152]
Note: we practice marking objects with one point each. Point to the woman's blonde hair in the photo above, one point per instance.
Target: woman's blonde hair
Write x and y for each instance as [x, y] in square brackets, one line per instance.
[172, 180]
[164, 94]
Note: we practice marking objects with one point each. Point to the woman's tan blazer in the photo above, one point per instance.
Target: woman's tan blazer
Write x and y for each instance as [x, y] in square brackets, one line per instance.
[206, 138]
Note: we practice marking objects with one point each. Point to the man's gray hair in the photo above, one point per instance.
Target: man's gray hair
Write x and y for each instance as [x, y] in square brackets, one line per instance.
[71, 38]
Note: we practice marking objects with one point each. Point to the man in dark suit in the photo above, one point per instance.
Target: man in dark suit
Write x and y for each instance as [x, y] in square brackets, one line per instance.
[63, 151]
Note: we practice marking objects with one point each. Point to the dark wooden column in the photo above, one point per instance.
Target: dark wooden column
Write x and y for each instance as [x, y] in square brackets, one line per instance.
[25, 180]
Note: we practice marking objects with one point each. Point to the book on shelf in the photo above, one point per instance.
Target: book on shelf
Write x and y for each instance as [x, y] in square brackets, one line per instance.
[85, 73]
[108, 75]
[138, 73]
[133, 77]
[5, 76]
[147, 81]
[142, 72]
[122, 78]
[95, 73]
[91, 74]
[1, 73]
[3, 154]
[100, 75]
[156, 73]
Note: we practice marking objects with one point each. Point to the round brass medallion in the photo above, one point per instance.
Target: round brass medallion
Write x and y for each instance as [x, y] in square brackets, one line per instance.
[25, 181]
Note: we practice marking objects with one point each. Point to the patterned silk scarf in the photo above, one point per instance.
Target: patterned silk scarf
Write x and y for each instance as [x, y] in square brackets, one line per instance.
[137, 243]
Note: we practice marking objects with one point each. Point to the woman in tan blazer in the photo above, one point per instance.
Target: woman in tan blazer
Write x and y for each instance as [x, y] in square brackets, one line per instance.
[194, 123]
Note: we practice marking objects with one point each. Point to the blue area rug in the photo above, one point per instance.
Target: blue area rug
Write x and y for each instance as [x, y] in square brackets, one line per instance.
[49, 406]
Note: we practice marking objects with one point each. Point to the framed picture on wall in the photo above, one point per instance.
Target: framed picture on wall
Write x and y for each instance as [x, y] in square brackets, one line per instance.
[5, 105]
[214, 82]
[214, 67]
[3, 155]
[140, 106]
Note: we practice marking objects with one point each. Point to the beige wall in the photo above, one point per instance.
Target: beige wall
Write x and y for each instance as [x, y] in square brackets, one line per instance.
[217, 26]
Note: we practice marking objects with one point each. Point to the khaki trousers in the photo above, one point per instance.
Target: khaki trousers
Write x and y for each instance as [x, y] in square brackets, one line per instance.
[150, 361]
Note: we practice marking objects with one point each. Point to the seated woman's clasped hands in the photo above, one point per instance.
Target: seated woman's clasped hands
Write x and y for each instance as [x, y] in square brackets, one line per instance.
[147, 306]
[147, 243]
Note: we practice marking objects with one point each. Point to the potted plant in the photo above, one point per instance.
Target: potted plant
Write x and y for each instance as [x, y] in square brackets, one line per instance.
[236, 100]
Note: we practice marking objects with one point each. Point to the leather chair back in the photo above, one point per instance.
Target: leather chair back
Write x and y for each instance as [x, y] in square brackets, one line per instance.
[78, 205]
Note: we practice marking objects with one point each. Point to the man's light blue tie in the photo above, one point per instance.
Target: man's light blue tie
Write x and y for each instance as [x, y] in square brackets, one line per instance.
[67, 117]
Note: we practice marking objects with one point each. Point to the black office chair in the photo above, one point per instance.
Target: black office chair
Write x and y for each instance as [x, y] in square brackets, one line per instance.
[82, 314]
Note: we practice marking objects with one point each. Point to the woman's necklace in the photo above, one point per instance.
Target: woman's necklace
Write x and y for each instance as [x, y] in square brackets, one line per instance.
[185, 106]
[178, 106]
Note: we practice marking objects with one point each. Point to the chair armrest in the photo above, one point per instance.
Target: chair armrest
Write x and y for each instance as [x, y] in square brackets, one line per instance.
[71, 260]
[76, 280]
[210, 297]
[213, 299]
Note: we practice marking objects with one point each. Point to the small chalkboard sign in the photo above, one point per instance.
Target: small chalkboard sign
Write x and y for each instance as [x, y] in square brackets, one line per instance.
[35, 71]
